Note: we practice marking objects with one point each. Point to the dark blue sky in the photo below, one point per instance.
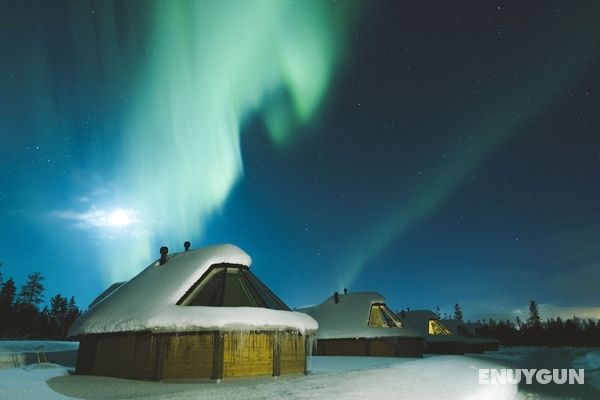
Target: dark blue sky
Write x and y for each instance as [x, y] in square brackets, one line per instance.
[436, 153]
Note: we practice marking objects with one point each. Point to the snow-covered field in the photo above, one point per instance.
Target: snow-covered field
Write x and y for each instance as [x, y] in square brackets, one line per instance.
[433, 377]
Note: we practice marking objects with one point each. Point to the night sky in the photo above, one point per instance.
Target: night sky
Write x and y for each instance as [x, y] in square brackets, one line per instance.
[436, 153]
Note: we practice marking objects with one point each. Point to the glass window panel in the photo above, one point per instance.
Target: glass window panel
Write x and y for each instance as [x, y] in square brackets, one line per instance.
[210, 290]
[376, 317]
[231, 286]
[269, 298]
[391, 317]
[436, 328]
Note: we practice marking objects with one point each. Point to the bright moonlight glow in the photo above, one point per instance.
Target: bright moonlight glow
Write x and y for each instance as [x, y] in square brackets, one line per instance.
[120, 217]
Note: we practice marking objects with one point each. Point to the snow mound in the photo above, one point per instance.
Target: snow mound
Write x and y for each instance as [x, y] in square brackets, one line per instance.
[590, 361]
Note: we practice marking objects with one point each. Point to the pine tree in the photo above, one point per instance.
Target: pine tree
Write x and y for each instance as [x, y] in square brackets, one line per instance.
[438, 312]
[534, 320]
[7, 296]
[57, 315]
[73, 312]
[457, 312]
[7, 299]
[31, 293]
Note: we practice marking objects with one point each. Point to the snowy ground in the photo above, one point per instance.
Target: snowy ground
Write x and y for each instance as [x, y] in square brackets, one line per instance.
[433, 377]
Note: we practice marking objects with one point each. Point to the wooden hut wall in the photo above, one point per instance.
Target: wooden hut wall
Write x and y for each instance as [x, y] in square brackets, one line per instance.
[293, 353]
[376, 347]
[445, 347]
[197, 355]
[187, 355]
[475, 348]
[491, 346]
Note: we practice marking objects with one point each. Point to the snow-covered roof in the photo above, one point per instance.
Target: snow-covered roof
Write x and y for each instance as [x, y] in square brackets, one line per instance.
[457, 327]
[419, 320]
[108, 291]
[453, 325]
[349, 318]
[148, 302]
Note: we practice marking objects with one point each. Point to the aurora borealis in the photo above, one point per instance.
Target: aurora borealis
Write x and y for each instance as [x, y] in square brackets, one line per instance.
[434, 153]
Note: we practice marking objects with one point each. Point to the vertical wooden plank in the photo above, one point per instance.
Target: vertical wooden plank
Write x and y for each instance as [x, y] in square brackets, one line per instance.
[218, 350]
[86, 355]
[306, 352]
[276, 355]
[159, 343]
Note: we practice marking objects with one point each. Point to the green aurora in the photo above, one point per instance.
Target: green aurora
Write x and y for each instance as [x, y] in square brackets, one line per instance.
[201, 82]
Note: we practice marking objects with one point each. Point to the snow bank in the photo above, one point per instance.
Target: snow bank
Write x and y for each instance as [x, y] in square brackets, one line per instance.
[148, 301]
[28, 346]
[350, 378]
[21, 353]
[30, 383]
[590, 361]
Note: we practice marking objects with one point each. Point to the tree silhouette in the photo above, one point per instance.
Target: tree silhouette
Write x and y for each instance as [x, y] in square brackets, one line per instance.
[534, 320]
[32, 291]
[458, 312]
[7, 299]
[57, 315]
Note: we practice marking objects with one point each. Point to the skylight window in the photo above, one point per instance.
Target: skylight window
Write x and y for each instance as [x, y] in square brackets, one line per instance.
[231, 285]
[382, 317]
[436, 328]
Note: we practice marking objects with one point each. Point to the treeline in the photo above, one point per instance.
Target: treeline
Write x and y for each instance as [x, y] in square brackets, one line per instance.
[553, 332]
[21, 316]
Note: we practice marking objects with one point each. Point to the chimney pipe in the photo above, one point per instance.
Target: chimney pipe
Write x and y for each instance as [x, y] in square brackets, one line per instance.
[163, 254]
[186, 246]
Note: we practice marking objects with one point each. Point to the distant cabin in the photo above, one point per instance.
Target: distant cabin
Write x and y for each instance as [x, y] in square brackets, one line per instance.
[475, 330]
[199, 314]
[438, 338]
[361, 324]
[472, 343]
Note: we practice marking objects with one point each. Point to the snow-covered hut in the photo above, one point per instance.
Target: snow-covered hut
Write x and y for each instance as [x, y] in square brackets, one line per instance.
[193, 315]
[476, 330]
[360, 324]
[438, 338]
[472, 343]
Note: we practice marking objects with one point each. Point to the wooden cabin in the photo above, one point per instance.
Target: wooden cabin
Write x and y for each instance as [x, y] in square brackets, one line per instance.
[193, 315]
[360, 324]
[472, 343]
[476, 331]
[438, 338]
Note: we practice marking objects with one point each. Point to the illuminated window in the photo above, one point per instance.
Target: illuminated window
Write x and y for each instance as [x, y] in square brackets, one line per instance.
[436, 328]
[230, 285]
[383, 317]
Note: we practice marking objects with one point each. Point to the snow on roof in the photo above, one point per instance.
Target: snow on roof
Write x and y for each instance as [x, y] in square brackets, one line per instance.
[104, 294]
[148, 301]
[467, 335]
[349, 318]
[419, 320]
[452, 324]
[473, 327]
